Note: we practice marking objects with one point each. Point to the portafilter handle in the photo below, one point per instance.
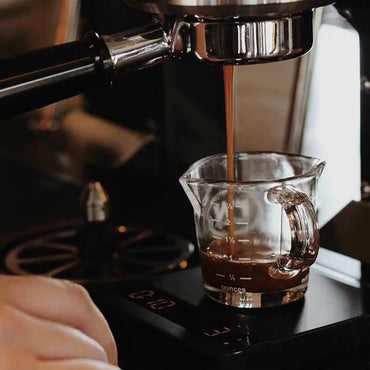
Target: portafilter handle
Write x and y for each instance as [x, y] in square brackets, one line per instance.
[45, 76]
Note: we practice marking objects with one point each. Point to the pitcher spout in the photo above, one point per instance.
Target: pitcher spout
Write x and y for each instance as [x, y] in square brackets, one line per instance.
[319, 168]
[191, 190]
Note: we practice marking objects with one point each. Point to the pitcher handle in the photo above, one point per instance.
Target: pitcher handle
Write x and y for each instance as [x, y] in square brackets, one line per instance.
[303, 224]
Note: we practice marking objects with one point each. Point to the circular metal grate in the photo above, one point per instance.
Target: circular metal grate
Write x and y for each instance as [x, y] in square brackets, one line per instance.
[55, 252]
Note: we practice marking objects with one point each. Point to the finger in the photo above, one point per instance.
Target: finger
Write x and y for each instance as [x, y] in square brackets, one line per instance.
[46, 339]
[12, 358]
[75, 365]
[60, 301]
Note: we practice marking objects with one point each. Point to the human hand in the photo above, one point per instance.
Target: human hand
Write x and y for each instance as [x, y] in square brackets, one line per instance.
[49, 324]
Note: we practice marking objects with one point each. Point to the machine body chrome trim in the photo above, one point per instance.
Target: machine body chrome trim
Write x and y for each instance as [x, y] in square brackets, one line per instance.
[231, 8]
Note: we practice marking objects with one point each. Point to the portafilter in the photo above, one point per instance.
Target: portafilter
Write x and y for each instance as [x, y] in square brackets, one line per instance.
[211, 31]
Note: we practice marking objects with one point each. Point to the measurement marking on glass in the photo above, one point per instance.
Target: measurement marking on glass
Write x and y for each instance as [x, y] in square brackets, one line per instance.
[217, 237]
[245, 278]
[243, 240]
[238, 206]
[230, 239]
[245, 259]
[241, 223]
[220, 275]
[215, 220]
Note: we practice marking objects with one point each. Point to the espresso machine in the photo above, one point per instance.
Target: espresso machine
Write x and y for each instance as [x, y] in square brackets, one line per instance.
[165, 321]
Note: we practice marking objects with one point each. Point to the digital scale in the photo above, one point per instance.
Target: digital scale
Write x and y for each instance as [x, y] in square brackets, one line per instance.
[167, 322]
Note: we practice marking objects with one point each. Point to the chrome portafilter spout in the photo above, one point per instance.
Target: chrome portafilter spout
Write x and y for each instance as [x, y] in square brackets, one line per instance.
[222, 32]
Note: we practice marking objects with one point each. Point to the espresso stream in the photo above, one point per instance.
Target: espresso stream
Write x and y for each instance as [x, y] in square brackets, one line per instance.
[229, 115]
[227, 265]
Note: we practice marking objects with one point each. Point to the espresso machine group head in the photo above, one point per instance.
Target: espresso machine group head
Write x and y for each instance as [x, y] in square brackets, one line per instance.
[217, 32]
[236, 31]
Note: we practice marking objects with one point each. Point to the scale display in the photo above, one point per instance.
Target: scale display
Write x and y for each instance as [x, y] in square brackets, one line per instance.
[167, 322]
[217, 334]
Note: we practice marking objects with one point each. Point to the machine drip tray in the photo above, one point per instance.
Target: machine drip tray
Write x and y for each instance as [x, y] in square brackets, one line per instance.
[167, 323]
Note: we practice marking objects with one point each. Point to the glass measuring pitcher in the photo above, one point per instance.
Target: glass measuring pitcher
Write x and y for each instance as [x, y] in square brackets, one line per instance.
[257, 235]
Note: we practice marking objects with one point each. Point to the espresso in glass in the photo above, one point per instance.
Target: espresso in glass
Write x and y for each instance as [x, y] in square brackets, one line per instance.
[254, 270]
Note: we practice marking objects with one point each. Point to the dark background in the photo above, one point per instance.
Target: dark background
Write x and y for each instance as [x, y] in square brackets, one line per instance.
[181, 104]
